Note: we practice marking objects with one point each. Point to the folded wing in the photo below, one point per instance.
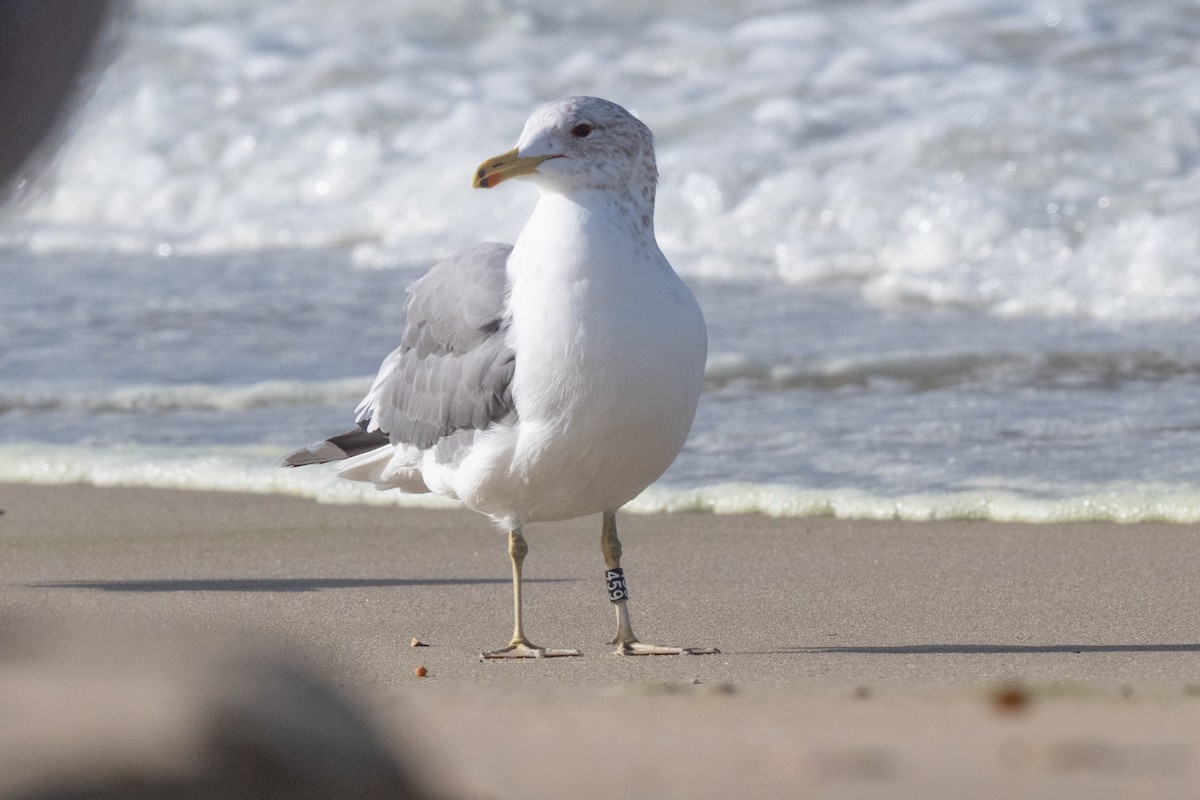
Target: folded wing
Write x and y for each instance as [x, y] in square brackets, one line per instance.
[452, 371]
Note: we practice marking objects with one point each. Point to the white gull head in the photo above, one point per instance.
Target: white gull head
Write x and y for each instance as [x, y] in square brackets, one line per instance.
[577, 144]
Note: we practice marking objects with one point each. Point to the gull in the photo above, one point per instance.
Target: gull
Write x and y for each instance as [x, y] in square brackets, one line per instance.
[549, 379]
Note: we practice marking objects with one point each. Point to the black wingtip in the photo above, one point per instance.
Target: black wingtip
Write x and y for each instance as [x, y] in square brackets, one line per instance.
[335, 448]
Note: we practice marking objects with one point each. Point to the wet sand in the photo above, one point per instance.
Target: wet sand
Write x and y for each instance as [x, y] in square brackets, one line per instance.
[871, 659]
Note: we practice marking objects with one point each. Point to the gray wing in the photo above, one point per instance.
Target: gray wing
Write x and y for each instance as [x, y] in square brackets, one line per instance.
[453, 370]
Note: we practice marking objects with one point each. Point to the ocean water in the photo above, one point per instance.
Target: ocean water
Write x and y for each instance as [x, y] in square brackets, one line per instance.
[948, 250]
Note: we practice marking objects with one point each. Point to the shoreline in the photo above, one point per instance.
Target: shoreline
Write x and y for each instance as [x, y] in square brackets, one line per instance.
[252, 470]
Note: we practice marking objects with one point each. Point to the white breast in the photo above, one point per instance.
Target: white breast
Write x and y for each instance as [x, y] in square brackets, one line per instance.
[610, 348]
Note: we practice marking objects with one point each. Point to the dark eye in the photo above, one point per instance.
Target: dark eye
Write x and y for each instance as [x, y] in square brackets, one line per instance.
[581, 131]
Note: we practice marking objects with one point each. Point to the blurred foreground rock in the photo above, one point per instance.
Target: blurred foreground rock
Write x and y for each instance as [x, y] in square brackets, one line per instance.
[89, 716]
[45, 49]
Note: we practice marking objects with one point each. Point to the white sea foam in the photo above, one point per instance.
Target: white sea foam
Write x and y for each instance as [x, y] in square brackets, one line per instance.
[997, 156]
[1125, 503]
[248, 470]
[251, 470]
[184, 397]
[924, 370]
[918, 370]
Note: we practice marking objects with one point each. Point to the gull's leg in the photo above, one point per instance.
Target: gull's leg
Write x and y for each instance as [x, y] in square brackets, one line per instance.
[627, 643]
[520, 647]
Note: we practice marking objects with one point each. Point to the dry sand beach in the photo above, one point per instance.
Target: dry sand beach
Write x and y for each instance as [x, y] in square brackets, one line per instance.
[859, 659]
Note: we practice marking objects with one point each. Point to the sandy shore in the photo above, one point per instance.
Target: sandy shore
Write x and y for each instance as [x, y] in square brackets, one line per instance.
[858, 659]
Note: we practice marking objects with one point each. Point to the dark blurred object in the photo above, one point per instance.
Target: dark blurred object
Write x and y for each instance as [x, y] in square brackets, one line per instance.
[46, 47]
[113, 716]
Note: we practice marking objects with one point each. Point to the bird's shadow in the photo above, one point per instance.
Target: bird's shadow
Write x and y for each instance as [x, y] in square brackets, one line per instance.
[991, 649]
[271, 584]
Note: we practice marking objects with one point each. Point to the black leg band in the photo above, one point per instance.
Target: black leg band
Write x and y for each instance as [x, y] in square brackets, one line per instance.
[617, 591]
